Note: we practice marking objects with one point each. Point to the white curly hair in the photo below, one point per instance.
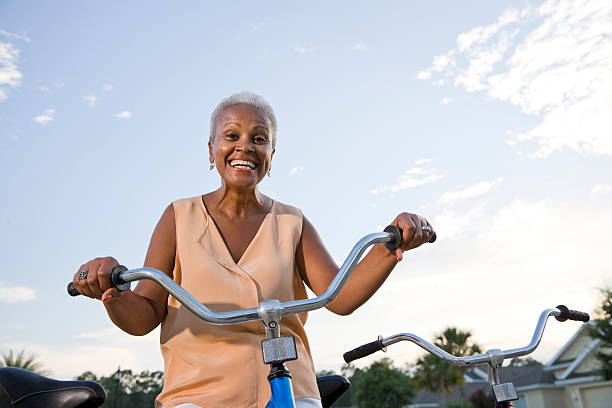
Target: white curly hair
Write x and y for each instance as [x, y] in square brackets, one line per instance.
[248, 98]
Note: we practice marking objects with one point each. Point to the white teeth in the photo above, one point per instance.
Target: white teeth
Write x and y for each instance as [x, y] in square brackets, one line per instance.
[242, 164]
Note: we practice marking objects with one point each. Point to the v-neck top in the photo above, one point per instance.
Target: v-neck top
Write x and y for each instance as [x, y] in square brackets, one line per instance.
[222, 365]
[214, 225]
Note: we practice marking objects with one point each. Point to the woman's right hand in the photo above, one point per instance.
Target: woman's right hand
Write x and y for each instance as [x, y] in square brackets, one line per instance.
[93, 279]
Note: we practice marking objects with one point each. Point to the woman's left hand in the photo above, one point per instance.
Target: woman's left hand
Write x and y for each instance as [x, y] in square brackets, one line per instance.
[416, 231]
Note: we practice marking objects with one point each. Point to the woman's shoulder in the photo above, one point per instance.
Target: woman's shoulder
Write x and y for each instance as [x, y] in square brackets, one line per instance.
[282, 208]
[187, 202]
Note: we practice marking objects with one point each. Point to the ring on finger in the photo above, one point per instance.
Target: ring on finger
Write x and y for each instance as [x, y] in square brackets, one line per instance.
[82, 275]
[426, 228]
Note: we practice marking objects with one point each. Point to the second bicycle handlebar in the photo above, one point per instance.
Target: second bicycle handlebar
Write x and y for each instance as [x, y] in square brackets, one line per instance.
[561, 313]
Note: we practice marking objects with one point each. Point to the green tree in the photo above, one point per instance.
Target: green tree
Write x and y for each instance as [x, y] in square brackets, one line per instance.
[381, 385]
[458, 404]
[435, 375]
[603, 332]
[22, 360]
[132, 390]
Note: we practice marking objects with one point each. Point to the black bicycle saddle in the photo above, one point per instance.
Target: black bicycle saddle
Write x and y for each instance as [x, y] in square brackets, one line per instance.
[331, 387]
[24, 389]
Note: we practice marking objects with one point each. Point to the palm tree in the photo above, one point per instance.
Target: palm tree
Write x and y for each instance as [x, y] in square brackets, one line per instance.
[434, 374]
[21, 360]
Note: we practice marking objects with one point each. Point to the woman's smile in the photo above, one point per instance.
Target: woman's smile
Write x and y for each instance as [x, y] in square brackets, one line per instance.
[243, 165]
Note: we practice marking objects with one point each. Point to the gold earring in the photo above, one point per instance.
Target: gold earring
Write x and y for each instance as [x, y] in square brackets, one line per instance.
[212, 165]
[269, 172]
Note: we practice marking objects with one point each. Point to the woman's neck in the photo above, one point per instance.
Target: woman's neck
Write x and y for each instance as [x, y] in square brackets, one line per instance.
[238, 203]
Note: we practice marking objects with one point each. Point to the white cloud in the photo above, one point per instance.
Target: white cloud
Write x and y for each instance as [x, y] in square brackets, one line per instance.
[91, 100]
[9, 73]
[359, 47]
[440, 63]
[16, 294]
[424, 75]
[257, 26]
[47, 116]
[305, 49]
[107, 87]
[44, 88]
[477, 189]
[421, 162]
[558, 69]
[23, 36]
[411, 178]
[445, 101]
[601, 189]
[296, 170]
[124, 115]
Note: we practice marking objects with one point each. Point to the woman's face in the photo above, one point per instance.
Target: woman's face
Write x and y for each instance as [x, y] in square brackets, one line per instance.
[242, 148]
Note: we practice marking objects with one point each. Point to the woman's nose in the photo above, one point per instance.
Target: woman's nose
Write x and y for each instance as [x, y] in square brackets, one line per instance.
[245, 146]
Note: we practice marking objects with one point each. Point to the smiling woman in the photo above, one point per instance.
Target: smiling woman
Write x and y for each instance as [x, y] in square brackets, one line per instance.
[234, 248]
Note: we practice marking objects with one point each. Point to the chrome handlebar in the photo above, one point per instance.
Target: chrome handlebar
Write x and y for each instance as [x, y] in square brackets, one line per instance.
[270, 311]
[478, 358]
[494, 357]
[269, 308]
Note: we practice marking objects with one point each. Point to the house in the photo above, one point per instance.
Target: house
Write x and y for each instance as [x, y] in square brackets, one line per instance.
[569, 380]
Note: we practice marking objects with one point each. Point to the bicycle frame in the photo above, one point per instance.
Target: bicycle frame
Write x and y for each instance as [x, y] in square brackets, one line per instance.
[276, 349]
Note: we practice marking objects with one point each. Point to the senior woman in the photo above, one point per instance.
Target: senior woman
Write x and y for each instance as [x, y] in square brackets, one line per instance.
[233, 248]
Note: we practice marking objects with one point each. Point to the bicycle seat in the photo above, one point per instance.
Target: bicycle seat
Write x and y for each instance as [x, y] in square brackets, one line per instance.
[331, 387]
[24, 389]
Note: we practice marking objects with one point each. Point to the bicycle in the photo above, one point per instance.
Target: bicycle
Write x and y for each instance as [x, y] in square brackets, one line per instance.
[504, 393]
[276, 349]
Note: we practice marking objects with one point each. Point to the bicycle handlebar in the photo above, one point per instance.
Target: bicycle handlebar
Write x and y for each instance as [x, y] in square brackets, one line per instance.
[561, 313]
[121, 277]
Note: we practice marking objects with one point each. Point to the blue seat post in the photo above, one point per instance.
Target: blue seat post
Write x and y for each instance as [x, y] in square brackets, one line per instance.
[280, 387]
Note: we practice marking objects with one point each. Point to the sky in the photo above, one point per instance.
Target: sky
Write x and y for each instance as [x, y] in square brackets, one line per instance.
[490, 119]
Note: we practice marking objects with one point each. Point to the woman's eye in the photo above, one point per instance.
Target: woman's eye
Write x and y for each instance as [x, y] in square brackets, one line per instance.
[231, 136]
[260, 139]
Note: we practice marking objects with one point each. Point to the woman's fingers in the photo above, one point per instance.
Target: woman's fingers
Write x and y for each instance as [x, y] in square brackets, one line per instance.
[416, 231]
[79, 280]
[93, 278]
[427, 230]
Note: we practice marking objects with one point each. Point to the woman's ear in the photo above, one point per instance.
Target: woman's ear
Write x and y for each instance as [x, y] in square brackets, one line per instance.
[211, 156]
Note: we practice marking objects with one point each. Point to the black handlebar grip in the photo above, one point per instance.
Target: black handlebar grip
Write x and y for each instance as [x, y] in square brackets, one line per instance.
[397, 237]
[72, 290]
[116, 281]
[567, 314]
[364, 350]
[392, 245]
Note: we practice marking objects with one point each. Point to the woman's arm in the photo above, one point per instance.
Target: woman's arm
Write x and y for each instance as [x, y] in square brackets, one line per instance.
[140, 311]
[318, 268]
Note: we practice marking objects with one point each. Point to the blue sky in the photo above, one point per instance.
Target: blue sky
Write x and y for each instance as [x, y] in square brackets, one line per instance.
[492, 119]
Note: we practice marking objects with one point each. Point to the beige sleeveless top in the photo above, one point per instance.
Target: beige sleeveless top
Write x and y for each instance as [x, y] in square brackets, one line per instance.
[222, 365]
